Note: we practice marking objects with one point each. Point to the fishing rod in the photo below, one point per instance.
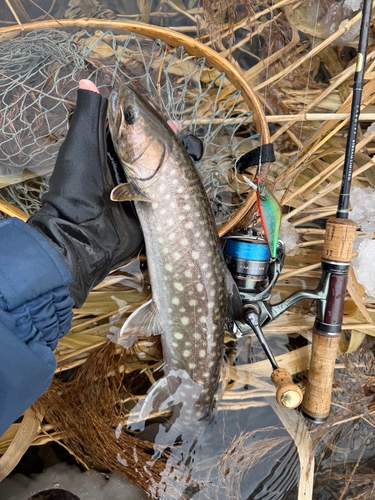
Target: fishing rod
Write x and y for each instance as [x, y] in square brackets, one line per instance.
[336, 258]
[256, 261]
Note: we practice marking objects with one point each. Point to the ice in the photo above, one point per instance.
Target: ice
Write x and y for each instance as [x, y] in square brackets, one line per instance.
[364, 266]
[290, 237]
[363, 209]
[90, 485]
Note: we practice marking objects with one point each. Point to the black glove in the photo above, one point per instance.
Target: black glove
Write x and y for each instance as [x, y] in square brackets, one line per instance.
[92, 234]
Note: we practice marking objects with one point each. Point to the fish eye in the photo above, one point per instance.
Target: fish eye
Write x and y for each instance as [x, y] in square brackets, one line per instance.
[131, 115]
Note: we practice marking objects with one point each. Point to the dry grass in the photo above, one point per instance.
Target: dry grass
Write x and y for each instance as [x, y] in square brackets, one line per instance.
[282, 53]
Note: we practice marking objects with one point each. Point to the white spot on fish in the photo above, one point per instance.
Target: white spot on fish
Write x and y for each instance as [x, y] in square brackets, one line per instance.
[186, 353]
[204, 266]
[159, 229]
[193, 302]
[177, 256]
[162, 211]
[200, 287]
[180, 189]
[202, 243]
[184, 242]
[197, 336]
[155, 204]
[206, 374]
[174, 344]
[199, 310]
[172, 236]
[189, 225]
[168, 267]
[160, 240]
[202, 353]
[178, 336]
[202, 319]
[192, 366]
[175, 301]
[188, 344]
[178, 286]
[187, 207]
[211, 364]
[182, 310]
[188, 274]
[195, 255]
[184, 320]
[210, 254]
[174, 181]
[170, 222]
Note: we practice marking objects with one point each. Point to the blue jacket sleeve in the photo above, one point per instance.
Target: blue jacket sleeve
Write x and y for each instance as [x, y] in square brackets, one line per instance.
[35, 312]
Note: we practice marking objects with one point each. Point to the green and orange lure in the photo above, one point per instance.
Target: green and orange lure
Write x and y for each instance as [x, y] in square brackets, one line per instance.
[270, 214]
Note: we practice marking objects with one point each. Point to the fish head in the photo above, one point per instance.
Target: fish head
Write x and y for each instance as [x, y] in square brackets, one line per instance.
[139, 134]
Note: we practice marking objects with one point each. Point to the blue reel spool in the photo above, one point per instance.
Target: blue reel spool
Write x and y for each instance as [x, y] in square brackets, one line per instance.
[248, 259]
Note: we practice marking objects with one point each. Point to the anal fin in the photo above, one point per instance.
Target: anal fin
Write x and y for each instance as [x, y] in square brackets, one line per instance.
[143, 322]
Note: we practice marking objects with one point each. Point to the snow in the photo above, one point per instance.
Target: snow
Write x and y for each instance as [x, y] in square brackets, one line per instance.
[363, 209]
[370, 130]
[290, 238]
[363, 213]
[364, 266]
[90, 485]
[353, 5]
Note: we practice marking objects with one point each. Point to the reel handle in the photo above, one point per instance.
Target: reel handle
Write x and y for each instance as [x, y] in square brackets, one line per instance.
[288, 394]
[337, 254]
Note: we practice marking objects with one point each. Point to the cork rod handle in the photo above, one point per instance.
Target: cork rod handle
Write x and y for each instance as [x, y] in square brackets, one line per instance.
[288, 394]
[338, 249]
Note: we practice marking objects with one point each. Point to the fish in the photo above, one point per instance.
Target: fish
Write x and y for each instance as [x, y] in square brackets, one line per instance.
[191, 285]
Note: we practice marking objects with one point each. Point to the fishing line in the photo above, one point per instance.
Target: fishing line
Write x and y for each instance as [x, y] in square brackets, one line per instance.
[266, 87]
[308, 80]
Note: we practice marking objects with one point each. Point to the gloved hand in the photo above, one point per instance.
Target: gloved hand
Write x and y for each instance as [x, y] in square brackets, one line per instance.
[92, 234]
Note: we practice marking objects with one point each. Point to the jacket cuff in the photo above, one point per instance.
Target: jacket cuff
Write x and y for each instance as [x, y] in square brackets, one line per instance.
[29, 266]
[24, 374]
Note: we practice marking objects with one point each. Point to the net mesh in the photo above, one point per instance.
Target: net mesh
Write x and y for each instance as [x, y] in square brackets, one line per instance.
[39, 79]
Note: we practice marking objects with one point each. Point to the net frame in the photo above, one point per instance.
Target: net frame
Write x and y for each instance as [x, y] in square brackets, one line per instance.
[175, 40]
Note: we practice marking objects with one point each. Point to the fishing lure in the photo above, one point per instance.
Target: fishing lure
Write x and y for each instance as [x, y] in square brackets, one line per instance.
[270, 213]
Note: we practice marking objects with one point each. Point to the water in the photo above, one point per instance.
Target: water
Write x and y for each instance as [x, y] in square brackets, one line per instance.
[251, 449]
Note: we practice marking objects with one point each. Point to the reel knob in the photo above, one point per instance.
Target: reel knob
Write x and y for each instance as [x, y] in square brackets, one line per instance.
[288, 394]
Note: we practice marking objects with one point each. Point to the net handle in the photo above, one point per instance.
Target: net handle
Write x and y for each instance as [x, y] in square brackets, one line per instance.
[173, 39]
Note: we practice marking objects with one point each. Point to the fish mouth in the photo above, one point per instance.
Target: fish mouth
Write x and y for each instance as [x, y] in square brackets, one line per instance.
[113, 101]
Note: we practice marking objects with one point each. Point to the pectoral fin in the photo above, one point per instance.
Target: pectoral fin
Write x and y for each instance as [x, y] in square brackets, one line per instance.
[143, 322]
[128, 192]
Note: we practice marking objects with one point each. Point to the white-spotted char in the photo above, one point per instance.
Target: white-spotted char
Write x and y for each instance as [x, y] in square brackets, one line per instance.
[186, 268]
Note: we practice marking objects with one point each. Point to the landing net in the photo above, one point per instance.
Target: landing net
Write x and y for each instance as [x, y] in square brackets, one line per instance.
[39, 76]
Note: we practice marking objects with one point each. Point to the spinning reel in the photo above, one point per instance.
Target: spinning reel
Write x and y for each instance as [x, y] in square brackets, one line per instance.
[255, 274]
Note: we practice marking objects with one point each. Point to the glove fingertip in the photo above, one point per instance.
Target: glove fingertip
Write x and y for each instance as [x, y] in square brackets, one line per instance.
[88, 85]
